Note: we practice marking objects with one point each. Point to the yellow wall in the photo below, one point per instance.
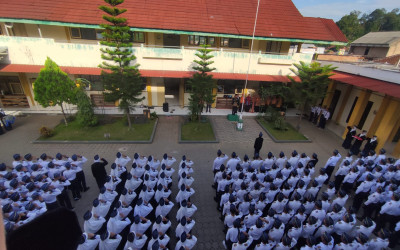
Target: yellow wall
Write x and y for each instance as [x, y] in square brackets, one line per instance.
[388, 122]
[55, 32]
[394, 49]
[285, 47]
[377, 100]
[32, 30]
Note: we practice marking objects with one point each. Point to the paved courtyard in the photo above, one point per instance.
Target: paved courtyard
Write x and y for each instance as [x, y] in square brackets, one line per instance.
[208, 228]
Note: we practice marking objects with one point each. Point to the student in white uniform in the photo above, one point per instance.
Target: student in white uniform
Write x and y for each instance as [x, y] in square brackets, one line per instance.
[92, 223]
[117, 222]
[187, 241]
[135, 241]
[88, 241]
[109, 241]
[101, 207]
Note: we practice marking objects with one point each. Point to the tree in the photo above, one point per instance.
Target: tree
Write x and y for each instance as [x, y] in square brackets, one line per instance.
[201, 83]
[351, 26]
[122, 81]
[85, 115]
[54, 87]
[314, 80]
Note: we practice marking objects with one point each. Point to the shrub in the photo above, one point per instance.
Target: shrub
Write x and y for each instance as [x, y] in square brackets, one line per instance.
[153, 115]
[46, 132]
[85, 115]
[280, 123]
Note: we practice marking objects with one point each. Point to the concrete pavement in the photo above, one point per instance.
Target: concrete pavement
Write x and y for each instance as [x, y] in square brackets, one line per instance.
[208, 228]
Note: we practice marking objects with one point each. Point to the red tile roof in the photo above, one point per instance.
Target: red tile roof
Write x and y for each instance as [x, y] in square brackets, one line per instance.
[387, 88]
[277, 19]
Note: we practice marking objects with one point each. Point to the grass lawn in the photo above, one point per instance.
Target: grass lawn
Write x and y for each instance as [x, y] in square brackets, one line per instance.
[197, 131]
[117, 129]
[290, 134]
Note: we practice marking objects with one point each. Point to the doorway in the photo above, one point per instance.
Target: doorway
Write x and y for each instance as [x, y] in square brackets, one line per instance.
[172, 91]
[171, 41]
[365, 114]
[334, 102]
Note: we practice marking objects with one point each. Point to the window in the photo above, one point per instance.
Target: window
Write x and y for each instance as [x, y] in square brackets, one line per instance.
[99, 36]
[273, 46]
[138, 37]
[201, 40]
[245, 43]
[224, 42]
[75, 33]
[16, 88]
[85, 33]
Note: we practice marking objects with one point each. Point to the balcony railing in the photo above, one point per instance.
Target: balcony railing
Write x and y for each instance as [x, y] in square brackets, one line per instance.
[34, 51]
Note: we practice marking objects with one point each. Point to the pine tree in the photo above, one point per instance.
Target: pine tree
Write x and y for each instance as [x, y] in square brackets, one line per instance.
[314, 80]
[201, 83]
[121, 79]
[54, 87]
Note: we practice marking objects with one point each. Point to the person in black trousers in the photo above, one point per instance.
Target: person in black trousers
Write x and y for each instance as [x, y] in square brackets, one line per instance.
[258, 144]
[99, 171]
[352, 131]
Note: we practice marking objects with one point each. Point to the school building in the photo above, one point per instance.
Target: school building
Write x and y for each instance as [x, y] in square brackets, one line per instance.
[165, 37]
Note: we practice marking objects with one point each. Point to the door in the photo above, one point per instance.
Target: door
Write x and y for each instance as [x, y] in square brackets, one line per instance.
[171, 41]
[334, 102]
[365, 114]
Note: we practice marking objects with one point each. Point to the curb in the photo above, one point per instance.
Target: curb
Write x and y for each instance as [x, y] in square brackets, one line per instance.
[282, 141]
[180, 141]
[102, 142]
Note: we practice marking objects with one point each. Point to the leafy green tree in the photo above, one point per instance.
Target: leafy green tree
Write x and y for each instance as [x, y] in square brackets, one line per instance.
[122, 80]
[54, 87]
[351, 26]
[374, 21]
[85, 115]
[201, 83]
[314, 80]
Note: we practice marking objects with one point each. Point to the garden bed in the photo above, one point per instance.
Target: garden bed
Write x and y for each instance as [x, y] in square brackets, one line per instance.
[109, 130]
[197, 132]
[288, 135]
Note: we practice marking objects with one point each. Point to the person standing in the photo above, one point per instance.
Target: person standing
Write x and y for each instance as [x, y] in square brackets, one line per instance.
[355, 149]
[331, 163]
[99, 171]
[371, 144]
[324, 117]
[352, 131]
[235, 104]
[258, 144]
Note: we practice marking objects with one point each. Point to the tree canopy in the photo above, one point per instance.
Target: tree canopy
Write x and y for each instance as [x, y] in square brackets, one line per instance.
[54, 87]
[202, 82]
[314, 80]
[355, 24]
[122, 80]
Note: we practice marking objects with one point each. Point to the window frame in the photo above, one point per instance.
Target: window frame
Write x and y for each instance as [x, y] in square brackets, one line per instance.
[71, 33]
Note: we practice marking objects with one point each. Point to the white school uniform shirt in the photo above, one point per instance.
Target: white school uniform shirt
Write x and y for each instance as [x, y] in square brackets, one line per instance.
[294, 161]
[319, 214]
[365, 187]
[185, 212]
[280, 162]
[350, 177]
[268, 162]
[70, 174]
[391, 208]
[78, 164]
[140, 227]
[332, 161]
[123, 161]
[229, 219]
[340, 201]
[189, 243]
[267, 246]
[116, 225]
[50, 197]
[110, 244]
[163, 242]
[341, 227]
[162, 227]
[295, 233]
[232, 163]
[365, 230]
[137, 244]
[143, 210]
[93, 224]
[89, 244]
[276, 234]
[256, 232]
[164, 210]
[244, 246]
[102, 209]
[219, 161]
[309, 229]
[187, 228]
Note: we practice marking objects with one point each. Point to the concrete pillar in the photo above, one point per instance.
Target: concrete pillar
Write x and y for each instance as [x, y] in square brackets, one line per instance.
[299, 47]
[378, 117]
[148, 88]
[388, 122]
[214, 92]
[358, 109]
[346, 96]
[27, 88]
[182, 92]
[329, 94]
